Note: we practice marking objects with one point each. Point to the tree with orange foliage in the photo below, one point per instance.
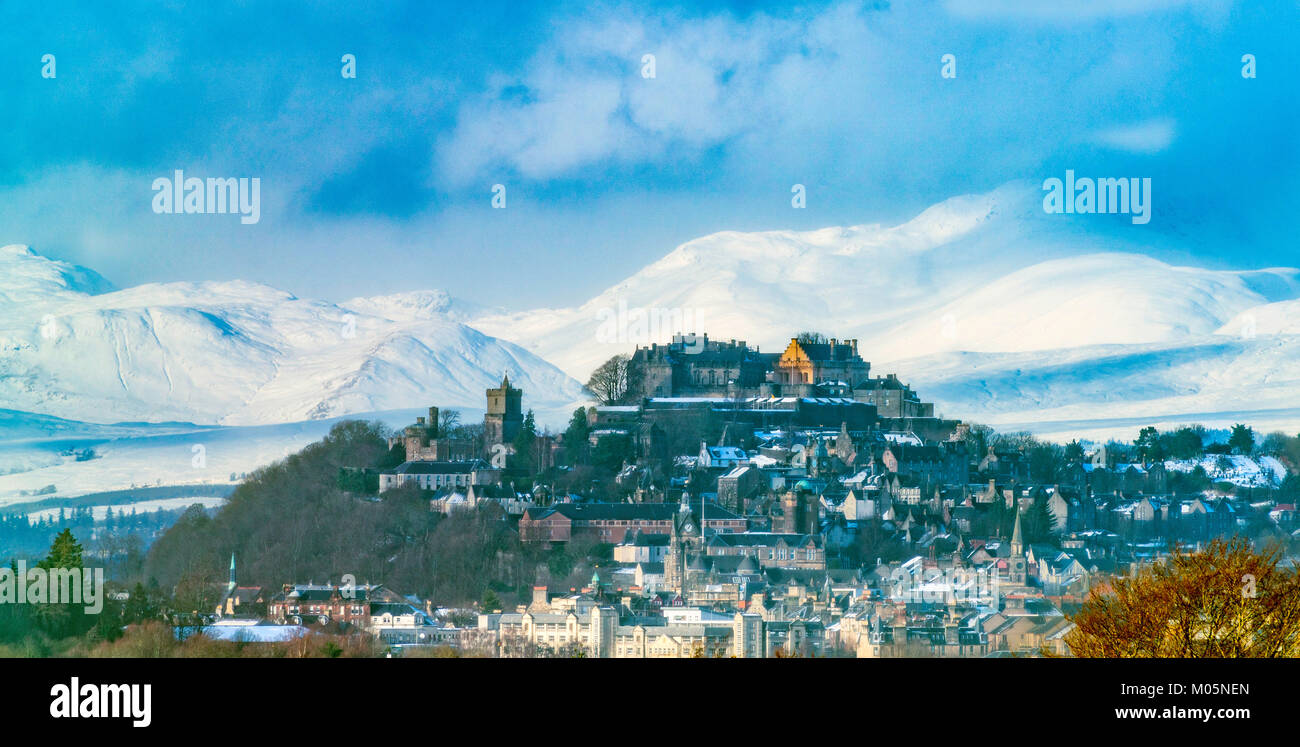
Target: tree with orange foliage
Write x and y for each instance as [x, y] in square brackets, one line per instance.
[1228, 601]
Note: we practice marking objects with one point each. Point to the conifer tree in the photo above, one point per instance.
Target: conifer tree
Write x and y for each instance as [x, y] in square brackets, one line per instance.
[65, 552]
[525, 439]
[1038, 523]
[575, 436]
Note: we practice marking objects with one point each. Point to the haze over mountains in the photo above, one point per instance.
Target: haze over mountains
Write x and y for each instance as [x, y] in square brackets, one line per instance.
[993, 309]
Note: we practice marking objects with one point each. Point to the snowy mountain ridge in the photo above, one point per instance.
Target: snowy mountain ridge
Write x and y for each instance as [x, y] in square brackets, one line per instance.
[993, 309]
[236, 353]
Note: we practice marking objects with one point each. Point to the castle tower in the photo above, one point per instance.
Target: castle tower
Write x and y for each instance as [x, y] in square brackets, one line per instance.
[504, 415]
[420, 439]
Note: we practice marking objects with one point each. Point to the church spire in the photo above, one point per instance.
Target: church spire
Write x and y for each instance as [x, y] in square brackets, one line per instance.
[1017, 542]
[230, 585]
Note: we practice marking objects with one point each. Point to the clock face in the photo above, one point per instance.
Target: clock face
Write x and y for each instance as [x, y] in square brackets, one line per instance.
[690, 527]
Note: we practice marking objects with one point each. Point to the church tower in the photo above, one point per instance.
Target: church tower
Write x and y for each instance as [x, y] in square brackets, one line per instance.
[504, 415]
[682, 538]
[1017, 541]
[1017, 571]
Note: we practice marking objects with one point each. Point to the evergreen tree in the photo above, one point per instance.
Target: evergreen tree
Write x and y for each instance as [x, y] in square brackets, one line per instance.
[575, 436]
[1073, 452]
[524, 442]
[1242, 439]
[1038, 523]
[1149, 445]
[65, 552]
[63, 618]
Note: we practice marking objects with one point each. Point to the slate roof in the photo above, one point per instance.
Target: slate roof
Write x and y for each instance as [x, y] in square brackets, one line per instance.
[437, 468]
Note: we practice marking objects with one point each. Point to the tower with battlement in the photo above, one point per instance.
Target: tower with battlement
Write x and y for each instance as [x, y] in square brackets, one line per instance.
[504, 413]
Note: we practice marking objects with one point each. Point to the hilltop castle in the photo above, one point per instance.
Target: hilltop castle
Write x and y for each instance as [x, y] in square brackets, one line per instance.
[710, 368]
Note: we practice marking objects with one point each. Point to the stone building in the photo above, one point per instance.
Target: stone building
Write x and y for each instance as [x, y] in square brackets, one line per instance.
[699, 367]
[504, 415]
[811, 363]
[598, 633]
[711, 368]
[436, 475]
[892, 398]
[803, 383]
[424, 443]
[738, 486]
[800, 511]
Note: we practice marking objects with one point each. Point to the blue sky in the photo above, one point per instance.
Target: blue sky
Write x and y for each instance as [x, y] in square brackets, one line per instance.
[383, 183]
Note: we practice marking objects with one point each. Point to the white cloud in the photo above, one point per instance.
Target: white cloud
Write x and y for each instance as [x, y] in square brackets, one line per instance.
[1146, 137]
[582, 100]
[850, 87]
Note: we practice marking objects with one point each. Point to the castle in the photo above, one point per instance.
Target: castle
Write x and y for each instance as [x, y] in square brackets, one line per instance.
[425, 440]
[806, 368]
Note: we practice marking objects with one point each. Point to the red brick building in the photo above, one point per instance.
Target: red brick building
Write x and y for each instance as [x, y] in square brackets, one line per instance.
[306, 604]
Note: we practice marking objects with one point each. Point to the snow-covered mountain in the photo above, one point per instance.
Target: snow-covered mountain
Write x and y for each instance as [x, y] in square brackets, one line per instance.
[417, 305]
[1093, 299]
[996, 310]
[989, 273]
[238, 353]
[1115, 389]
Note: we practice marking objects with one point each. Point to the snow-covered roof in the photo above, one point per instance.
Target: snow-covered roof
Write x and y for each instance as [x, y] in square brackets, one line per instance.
[726, 452]
[909, 438]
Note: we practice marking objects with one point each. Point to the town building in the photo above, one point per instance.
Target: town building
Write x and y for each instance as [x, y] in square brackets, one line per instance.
[437, 475]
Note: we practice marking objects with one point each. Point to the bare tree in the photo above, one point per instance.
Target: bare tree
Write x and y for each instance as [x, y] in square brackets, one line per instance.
[609, 381]
[448, 422]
